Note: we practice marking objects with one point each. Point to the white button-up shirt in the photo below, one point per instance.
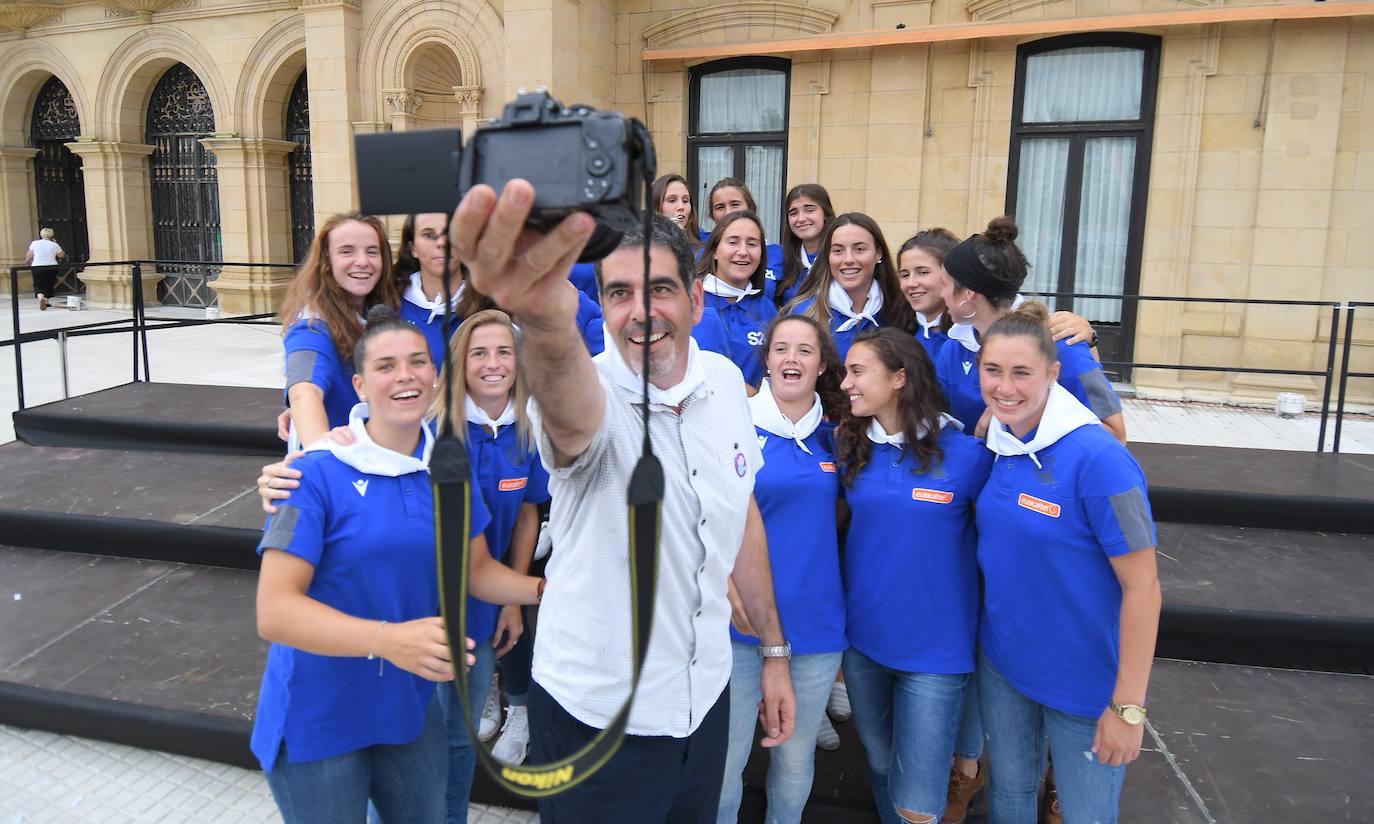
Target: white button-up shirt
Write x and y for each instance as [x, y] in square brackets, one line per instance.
[583, 651]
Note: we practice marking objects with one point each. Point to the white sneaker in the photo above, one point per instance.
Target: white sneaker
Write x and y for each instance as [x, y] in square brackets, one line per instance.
[826, 737]
[838, 705]
[491, 713]
[514, 744]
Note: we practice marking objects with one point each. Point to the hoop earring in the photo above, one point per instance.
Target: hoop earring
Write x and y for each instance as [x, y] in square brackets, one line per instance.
[970, 315]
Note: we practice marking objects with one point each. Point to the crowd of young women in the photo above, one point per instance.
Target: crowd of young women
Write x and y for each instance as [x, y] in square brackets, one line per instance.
[952, 518]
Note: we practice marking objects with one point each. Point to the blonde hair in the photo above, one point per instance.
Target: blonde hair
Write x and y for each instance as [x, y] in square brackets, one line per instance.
[46, 233]
[458, 351]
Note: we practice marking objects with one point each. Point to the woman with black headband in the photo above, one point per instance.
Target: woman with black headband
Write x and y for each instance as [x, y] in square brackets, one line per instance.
[983, 276]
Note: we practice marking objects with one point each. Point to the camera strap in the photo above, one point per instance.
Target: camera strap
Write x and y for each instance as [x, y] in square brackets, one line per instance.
[450, 474]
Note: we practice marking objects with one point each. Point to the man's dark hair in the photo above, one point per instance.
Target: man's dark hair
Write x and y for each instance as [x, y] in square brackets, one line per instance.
[667, 234]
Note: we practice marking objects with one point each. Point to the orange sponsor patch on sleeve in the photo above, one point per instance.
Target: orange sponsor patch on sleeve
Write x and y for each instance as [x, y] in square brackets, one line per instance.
[933, 496]
[512, 484]
[1036, 505]
[827, 466]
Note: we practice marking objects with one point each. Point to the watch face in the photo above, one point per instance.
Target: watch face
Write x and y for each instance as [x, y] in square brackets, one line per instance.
[1132, 715]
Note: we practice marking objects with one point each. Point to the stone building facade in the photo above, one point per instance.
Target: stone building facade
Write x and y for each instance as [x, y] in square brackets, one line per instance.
[1159, 153]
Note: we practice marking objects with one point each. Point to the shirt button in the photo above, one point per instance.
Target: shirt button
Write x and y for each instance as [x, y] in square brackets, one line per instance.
[407, 491]
[694, 662]
[698, 613]
[694, 473]
[703, 569]
[703, 522]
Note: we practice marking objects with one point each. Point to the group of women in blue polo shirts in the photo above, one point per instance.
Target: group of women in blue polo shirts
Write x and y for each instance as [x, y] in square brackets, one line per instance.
[944, 499]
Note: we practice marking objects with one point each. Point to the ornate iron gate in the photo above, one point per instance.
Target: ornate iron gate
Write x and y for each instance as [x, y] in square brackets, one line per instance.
[185, 189]
[60, 188]
[302, 186]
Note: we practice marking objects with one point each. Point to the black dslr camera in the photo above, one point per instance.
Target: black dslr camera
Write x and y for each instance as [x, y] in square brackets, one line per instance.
[576, 158]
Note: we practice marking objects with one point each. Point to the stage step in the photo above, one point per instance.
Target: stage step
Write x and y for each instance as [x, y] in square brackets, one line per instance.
[164, 417]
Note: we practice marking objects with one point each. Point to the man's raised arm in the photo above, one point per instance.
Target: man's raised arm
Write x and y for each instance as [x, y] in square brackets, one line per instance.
[527, 275]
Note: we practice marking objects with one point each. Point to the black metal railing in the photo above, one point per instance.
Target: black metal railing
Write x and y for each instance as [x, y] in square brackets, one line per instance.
[137, 324]
[1337, 373]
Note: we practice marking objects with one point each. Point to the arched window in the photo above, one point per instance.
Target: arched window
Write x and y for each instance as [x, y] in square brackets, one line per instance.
[60, 188]
[186, 223]
[1082, 127]
[738, 128]
[302, 183]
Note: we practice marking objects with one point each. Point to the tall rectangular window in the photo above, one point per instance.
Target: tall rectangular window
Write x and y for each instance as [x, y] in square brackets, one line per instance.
[1082, 125]
[738, 128]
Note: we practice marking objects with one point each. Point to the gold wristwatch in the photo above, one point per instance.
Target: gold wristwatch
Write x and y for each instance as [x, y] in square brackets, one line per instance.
[1132, 714]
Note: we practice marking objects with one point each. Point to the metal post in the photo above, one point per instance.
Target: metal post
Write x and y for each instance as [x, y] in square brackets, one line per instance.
[143, 330]
[1345, 376]
[62, 356]
[14, 314]
[1330, 376]
[138, 303]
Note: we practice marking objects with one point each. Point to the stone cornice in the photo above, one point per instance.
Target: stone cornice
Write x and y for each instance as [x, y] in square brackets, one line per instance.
[736, 20]
[988, 10]
[23, 16]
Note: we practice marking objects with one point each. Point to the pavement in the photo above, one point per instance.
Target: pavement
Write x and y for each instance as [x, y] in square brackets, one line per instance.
[54, 778]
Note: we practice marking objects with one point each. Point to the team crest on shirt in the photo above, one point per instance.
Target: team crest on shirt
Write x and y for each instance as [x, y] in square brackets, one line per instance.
[741, 464]
[763, 439]
[967, 366]
[512, 484]
[361, 486]
[932, 496]
[1034, 504]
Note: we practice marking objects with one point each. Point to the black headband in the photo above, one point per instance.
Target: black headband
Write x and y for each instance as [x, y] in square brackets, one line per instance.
[968, 270]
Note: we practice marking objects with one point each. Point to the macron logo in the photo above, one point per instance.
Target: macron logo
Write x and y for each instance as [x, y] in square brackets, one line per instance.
[967, 366]
[361, 486]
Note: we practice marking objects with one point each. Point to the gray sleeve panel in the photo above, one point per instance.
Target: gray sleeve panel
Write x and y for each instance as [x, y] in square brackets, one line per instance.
[1102, 398]
[282, 531]
[300, 366]
[1133, 514]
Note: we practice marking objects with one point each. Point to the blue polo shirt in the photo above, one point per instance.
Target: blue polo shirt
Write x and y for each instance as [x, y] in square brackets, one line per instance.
[1079, 372]
[591, 323]
[802, 274]
[508, 478]
[797, 493]
[745, 322]
[843, 340]
[371, 541]
[431, 328]
[710, 333]
[1052, 604]
[933, 341]
[312, 357]
[773, 272]
[910, 568]
[583, 276]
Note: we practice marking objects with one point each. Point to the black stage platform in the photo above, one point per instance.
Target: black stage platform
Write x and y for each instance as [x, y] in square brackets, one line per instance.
[128, 627]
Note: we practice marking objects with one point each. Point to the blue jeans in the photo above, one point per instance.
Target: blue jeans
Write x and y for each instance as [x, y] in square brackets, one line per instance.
[789, 764]
[404, 781]
[1017, 729]
[969, 743]
[515, 667]
[907, 722]
[461, 758]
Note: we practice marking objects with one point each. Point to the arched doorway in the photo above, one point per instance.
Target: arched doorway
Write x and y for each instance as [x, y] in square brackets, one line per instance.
[60, 189]
[302, 184]
[185, 192]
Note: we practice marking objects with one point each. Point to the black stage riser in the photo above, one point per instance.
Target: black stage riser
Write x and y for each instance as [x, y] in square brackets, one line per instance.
[36, 427]
[1218, 508]
[132, 538]
[225, 741]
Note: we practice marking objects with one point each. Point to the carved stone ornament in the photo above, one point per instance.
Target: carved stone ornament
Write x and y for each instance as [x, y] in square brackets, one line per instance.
[469, 99]
[402, 101]
[144, 9]
[736, 20]
[23, 16]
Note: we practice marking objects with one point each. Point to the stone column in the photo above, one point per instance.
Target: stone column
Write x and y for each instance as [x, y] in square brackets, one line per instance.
[18, 223]
[255, 220]
[332, 35]
[401, 107]
[470, 104]
[542, 47]
[118, 219]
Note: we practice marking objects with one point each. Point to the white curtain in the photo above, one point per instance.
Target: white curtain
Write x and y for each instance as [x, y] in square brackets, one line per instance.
[1104, 219]
[763, 174]
[1089, 83]
[742, 100]
[1040, 210]
[713, 163]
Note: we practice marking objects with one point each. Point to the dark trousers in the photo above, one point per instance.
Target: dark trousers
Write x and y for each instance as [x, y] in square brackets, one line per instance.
[650, 779]
[45, 280]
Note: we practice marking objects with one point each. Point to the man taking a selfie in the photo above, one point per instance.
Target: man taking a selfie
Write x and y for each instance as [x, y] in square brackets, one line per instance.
[589, 425]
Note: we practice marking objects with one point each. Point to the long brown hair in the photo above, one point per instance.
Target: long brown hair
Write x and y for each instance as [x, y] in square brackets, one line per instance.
[896, 310]
[791, 244]
[458, 352]
[315, 293]
[936, 242]
[706, 264]
[834, 402]
[919, 405]
[660, 191]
